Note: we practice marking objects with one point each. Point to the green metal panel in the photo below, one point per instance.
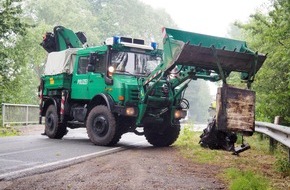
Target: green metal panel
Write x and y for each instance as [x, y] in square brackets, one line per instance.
[210, 52]
[66, 38]
[215, 55]
[80, 88]
[124, 85]
[59, 81]
[95, 49]
[207, 40]
[85, 86]
[96, 84]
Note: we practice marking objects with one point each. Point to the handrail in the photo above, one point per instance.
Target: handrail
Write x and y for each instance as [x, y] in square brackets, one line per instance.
[278, 132]
[19, 114]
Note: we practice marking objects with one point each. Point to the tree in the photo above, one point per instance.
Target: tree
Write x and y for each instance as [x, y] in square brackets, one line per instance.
[76, 15]
[270, 33]
[130, 18]
[11, 27]
[10, 22]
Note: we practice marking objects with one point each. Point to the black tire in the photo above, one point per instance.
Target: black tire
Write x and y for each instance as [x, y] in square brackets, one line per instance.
[122, 126]
[162, 139]
[118, 133]
[115, 139]
[101, 126]
[53, 129]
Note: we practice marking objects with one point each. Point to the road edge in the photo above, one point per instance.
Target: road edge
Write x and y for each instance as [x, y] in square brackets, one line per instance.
[48, 167]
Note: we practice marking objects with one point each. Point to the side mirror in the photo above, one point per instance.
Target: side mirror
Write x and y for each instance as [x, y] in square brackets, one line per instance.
[93, 58]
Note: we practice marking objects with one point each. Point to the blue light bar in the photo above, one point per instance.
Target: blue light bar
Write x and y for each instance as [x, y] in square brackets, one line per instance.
[154, 45]
[116, 40]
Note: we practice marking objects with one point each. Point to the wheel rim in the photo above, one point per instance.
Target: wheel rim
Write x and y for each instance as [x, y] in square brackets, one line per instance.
[50, 122]
[100, 126]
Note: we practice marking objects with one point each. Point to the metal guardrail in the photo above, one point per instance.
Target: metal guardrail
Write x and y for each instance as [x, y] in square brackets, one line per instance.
[19, 114]
[279, 133]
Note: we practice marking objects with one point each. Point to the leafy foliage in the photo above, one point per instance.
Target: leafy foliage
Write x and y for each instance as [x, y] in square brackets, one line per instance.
[11, 64]
[270, 34]
[139, 20]
[76, 15]
[10, 22]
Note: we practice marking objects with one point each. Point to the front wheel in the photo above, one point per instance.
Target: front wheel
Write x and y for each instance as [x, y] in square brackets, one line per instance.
[162, 138]
[101, 126]
[53, 129]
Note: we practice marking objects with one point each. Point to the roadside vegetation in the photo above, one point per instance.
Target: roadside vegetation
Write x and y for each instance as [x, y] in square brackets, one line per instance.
[254, 169]
[8, 131]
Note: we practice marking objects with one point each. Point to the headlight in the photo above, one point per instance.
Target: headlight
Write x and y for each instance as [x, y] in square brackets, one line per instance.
[111, 70]
[178, 114]
[130, 111]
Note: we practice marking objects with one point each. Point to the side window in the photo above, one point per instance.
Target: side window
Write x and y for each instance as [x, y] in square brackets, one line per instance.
[83, 64]
[100, 64]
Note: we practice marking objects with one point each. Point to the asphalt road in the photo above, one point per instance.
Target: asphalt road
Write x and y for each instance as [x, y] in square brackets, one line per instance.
[26, 155]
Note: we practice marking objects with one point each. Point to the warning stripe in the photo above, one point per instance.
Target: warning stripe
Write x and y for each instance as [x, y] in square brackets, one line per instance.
[164, 35]
[62, 103]
[152, 77]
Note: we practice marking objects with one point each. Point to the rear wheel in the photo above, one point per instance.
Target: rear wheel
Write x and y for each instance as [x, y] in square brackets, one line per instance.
[164, 137]
[101, 126]
[53, 129]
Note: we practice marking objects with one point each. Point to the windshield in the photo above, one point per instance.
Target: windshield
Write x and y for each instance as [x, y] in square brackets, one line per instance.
[134, 63]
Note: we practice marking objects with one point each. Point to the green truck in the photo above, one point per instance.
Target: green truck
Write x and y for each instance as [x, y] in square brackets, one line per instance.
[125, 85]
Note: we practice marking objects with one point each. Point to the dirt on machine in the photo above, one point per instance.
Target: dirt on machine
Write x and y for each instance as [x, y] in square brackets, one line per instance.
[126, 86]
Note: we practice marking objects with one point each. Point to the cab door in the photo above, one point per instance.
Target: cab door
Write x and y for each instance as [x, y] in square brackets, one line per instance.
[80, 79]
[97, 77]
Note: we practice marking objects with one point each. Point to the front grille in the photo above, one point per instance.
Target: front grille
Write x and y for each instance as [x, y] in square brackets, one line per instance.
[134, 95]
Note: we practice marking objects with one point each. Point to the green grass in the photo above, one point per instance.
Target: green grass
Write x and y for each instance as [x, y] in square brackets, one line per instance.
[245, 180]
[188, 142]
[256, 166]
[282, 164]
[8, 131]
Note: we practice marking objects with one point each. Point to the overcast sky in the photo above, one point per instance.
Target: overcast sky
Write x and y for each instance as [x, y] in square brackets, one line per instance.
[208, 16]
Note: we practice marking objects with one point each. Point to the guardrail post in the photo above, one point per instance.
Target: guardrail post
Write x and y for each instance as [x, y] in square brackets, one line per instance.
[273, 143]
[289, 155]
[27, 115]
[3, 114]
[261, 136]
